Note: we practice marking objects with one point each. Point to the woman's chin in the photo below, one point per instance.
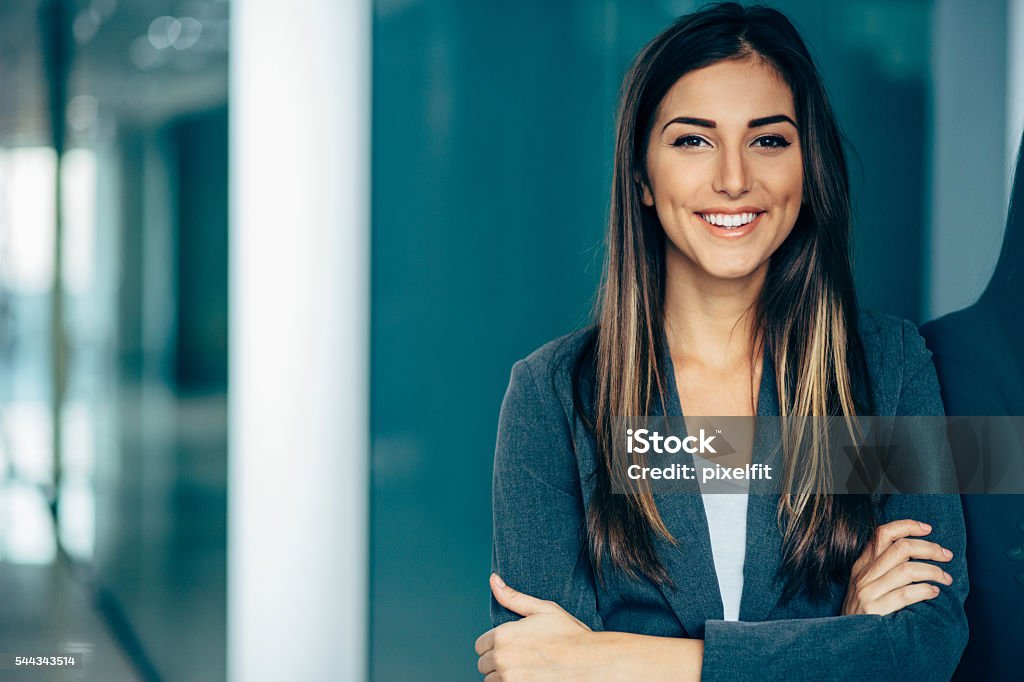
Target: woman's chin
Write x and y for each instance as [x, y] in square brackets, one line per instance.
[718, 263]
[730, 270]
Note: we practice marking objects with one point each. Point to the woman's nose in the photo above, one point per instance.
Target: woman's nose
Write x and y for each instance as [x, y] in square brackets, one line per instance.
[732, 178]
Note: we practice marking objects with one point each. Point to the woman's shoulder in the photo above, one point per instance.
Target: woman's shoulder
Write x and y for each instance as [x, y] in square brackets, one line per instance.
[541, 391]
[896, 358]
[884, 333]
[536, 451]
[552, 365]
[555, 359]
[890, 342]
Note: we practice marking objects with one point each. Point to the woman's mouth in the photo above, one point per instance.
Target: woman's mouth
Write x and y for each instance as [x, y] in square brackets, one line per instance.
[730, 221]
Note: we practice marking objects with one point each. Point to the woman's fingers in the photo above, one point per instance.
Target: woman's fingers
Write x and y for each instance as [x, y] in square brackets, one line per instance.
[547, 638]
[903, 597]
[902, 575]
[891, 572]
[904, 550]
[518, 602]
[883, 538]
[888, 533]
[486, 664]
[484, 642]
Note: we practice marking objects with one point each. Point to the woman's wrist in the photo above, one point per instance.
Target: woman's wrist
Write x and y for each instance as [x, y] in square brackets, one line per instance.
[627, 656]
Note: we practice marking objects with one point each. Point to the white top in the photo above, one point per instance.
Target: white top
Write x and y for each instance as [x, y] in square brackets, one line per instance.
[727, 525]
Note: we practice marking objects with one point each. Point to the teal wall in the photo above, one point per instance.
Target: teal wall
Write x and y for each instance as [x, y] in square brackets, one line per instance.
[491, 140]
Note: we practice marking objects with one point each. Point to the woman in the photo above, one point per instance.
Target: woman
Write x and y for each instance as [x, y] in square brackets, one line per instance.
[727, 291]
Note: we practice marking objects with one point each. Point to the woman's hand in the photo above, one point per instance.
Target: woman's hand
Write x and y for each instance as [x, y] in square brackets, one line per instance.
[547, 644]
[885, 578]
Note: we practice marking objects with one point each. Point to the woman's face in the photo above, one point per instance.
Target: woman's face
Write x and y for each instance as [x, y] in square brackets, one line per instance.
[725, 168]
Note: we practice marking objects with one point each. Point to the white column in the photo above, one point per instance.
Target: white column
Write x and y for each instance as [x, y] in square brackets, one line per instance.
[299, 353]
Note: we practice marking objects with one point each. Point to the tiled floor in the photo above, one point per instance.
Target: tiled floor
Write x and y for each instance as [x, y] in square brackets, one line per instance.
[158, 551]
[44, 611]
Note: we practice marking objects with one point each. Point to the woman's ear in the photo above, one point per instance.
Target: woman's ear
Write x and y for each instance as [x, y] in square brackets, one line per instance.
[645, 192]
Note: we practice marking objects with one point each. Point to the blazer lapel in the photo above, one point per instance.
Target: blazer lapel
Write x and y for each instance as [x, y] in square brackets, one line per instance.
[762, 584]
[695, 598]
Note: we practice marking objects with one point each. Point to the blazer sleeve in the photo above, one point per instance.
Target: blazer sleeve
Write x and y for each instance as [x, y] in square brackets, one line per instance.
[539, 525]
[923, 641]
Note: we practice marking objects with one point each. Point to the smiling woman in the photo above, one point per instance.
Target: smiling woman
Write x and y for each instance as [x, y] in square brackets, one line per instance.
[728, 290]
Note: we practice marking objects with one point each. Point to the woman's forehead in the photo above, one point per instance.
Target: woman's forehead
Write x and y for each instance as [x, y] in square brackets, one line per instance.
[730, 89]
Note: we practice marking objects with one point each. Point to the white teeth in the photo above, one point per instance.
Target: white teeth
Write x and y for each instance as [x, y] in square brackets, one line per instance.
[729, 220]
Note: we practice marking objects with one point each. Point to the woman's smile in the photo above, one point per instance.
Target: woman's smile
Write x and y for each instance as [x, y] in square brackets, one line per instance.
[731, 223]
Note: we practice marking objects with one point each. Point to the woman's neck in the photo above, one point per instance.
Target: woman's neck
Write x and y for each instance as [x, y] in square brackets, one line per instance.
[710, 320]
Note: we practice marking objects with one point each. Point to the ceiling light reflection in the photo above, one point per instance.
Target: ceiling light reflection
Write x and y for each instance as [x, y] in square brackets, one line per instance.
[163, 31]
[189, 34]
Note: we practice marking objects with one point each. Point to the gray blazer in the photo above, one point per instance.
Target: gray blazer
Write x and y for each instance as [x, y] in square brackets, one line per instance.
[542, 471]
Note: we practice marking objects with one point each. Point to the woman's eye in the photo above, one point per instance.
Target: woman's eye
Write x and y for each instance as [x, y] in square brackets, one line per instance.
[690, 141]
[771, 142]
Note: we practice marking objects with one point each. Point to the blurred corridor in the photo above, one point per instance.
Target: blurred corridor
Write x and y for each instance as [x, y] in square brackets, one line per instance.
[414, 193]
[113, 412]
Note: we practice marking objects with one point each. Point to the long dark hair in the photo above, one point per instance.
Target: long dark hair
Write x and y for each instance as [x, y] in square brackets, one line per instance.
[806, 316]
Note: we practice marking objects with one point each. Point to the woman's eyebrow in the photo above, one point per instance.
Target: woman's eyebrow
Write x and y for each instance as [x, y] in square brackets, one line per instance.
[702, 122]
[708, 123]
[777, 118]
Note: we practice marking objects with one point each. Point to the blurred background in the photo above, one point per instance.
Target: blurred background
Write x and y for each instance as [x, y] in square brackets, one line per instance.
[363, 222]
